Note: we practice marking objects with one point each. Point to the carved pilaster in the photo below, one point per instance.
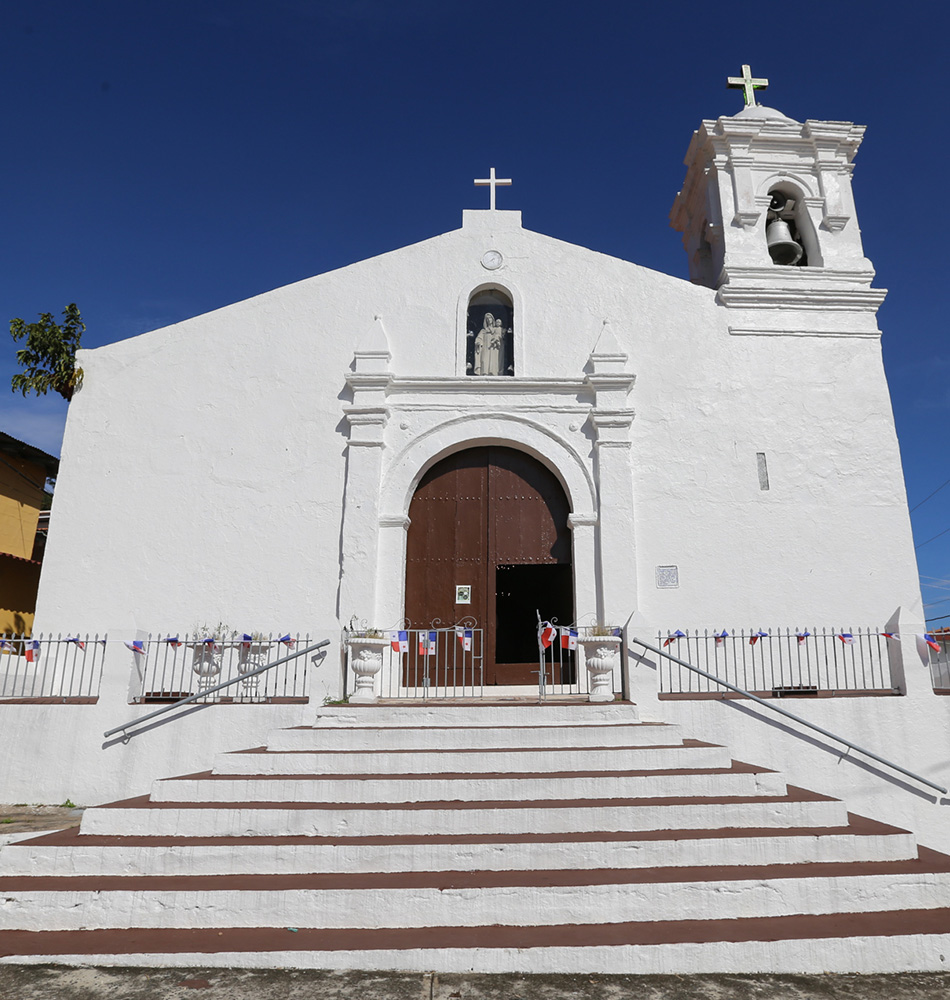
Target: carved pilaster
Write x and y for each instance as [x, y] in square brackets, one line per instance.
[366, 417]
[611, 419]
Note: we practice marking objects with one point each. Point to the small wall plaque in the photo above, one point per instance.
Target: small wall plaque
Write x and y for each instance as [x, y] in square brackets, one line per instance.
[463, 593]
[667, 577]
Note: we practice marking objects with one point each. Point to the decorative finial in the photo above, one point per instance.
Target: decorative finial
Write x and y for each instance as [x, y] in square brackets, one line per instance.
[492, 181]
[746, 83]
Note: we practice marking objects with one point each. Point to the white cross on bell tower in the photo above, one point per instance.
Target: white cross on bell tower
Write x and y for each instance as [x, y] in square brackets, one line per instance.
[746, 83]
[492, 182]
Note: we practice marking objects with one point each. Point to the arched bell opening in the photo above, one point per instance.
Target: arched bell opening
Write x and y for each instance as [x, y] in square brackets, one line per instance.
[789, 234]
[489, 343]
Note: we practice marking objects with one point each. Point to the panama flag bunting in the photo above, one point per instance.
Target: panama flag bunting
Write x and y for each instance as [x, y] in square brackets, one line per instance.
[721, 637]
[802, 636]
[464, 637]
[428, 642]
[847, 638]
[672, 638]
[890, 635]
[77, 640]
[136, 645]
[399, 641]
[931, 642]
[5, 646]
[287, 641]
[758, 635]
[547, 633]
[172, 641]
[32, 651]
[568, 638]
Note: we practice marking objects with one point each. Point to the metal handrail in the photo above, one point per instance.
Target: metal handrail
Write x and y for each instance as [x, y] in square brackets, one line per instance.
[790, 715]
[217, 687]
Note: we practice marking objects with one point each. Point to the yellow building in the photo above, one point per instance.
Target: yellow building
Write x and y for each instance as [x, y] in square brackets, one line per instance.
[23, 474]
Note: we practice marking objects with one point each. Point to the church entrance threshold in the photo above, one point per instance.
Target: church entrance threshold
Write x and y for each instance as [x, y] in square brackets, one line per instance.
[489, 543]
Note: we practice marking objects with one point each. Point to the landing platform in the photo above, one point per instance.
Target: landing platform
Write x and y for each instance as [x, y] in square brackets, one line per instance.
[39, 982]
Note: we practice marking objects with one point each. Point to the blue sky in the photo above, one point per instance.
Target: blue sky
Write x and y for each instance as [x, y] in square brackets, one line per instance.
[166, 158]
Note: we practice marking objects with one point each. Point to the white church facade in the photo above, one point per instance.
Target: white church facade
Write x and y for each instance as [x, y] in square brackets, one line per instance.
[493, 427]
[714, 454]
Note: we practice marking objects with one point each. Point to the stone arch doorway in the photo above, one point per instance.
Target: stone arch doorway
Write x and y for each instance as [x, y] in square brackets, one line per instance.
[492, 519]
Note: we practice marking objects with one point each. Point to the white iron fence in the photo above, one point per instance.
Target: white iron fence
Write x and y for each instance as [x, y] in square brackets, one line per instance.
[174, 667]
[777, 662]
[559, 670]
[444, 662]
[51, 667]
[940, 662]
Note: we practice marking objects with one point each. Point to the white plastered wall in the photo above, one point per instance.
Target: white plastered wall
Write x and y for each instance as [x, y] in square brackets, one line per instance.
[205, 473]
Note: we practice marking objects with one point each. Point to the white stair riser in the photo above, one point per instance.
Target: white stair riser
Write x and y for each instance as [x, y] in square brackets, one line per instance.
[396, 716]
[349, 821]
[907, 953]
[472, 789]
[263, 859]
[431, 907]
[477, 738]
[512, 761]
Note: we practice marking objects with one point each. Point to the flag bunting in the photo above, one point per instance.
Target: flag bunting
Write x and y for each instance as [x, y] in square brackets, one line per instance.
[399, 641]
[568, 638]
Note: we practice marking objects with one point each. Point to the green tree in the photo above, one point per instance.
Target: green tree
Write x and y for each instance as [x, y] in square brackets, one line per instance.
[49, 357]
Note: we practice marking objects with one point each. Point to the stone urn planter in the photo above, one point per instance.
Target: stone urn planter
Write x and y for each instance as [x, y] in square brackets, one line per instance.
[601, 656]
[366, 661]
[206, 663]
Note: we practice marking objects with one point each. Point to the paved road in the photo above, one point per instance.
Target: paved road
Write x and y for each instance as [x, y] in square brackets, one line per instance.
[23, 982]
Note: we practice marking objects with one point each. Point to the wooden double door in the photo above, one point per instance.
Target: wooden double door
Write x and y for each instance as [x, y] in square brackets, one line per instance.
[493, 520]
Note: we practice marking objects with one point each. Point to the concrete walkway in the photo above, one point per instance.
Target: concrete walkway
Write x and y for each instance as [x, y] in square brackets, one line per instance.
[24, 982]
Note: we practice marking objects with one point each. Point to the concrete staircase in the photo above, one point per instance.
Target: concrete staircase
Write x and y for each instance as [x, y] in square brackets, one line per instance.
[490, 837]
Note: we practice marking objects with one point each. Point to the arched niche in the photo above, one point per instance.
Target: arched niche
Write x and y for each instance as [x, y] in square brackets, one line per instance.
[489, 333]
[787, 205]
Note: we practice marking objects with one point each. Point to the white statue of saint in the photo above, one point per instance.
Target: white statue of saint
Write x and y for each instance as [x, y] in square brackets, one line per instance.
[490, 347]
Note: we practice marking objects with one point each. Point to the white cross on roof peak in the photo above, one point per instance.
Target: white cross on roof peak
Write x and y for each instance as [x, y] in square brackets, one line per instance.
[492, 182]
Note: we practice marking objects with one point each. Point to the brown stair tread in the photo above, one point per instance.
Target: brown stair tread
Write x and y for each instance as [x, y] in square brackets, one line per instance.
[857, 826]
[112, 941]
[926, 862]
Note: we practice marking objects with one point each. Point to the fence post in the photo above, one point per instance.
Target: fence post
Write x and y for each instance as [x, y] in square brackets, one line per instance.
[898, 649]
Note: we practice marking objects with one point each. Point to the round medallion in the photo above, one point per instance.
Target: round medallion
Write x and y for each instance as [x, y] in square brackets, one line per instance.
[492, 260]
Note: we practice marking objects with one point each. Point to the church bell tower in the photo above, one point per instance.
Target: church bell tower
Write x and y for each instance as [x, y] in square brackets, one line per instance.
[768, 220]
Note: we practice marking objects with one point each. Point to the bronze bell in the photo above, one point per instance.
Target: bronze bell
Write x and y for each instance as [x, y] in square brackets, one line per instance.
[782, 248]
